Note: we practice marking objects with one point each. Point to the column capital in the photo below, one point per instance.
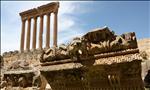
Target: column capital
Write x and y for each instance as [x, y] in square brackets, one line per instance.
[29, 19]
[56, 12]
[48, 14]
[23, 20]
[35, 17]
[41, 16]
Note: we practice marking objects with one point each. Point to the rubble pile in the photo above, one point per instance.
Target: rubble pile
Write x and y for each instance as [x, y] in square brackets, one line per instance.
[99, 41]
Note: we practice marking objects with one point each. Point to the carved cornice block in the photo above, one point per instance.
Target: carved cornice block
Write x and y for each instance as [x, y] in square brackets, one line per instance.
[29, 13]
[49, 8]
[42, 10]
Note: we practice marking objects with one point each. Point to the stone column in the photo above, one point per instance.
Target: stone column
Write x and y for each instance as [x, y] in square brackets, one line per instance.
[55, 30]
[28, 35]
[22, 36]
[48, 32]
[41, 32]
[34, 33]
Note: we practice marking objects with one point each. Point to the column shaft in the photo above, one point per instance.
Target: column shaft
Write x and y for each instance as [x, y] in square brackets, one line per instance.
[41, 32]
[28, 35]
[48, 32]
[34, 33]
[22, 36]
[55, 30]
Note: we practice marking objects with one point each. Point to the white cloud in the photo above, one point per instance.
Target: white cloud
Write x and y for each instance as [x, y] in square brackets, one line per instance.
[11, 21]
[66, 24]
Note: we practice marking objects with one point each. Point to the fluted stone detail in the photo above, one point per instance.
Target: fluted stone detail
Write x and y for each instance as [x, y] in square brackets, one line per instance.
[34, 14]
[55, 30]
[22, 36]
[41, 32]
[48, 32]
[34, 33]
[28, 35]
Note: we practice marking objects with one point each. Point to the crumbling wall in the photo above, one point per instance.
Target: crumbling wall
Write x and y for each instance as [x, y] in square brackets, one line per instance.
[1, 61]
[32, 57]
[126, 76]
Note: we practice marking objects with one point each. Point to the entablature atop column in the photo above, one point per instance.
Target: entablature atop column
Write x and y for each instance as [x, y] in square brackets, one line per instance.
[35, 14]
[42, 10]
[29, 14]
[49, 8]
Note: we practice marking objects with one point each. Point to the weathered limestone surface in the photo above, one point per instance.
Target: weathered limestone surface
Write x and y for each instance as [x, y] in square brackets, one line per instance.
[34, 33]
[98, 60]
[48, 31]
[99, 41]
[30, 57]
[55, 30]
[28, 35]
[21, 69]
[41, 32]
[34, 14]
[94, 61]
[22, 36]
[126, 75]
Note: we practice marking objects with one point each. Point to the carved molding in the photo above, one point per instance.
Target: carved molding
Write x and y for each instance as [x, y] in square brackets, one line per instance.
[49, 8]
[29, 14]
[42, 10]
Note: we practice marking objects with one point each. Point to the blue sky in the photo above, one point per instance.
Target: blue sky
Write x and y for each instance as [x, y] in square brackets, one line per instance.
[77, 18]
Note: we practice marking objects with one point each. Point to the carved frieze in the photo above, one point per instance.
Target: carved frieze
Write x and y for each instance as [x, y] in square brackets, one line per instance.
[42, 10]
[29, 14]
[48, 8]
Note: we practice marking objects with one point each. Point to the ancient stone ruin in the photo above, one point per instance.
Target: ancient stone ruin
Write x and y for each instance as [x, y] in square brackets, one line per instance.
[34, 14]
[98, 60]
